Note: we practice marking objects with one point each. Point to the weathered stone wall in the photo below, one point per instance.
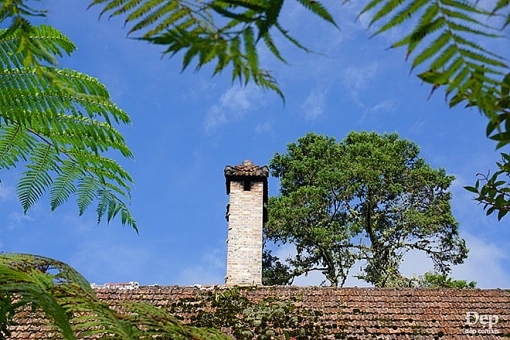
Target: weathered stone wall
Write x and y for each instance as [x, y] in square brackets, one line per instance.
[244, 254]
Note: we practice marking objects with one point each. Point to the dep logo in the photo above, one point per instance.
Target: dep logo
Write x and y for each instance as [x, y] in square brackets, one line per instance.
[487, 321]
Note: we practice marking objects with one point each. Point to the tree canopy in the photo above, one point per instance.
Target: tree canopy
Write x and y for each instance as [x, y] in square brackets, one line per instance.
[367, 198]
[434, 280]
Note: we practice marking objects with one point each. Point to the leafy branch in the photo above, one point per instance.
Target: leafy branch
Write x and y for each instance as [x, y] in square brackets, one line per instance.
[493, 192]
[58, 124]
[223, 32]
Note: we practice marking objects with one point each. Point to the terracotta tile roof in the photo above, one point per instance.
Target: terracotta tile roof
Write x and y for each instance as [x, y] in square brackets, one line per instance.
[337, 313]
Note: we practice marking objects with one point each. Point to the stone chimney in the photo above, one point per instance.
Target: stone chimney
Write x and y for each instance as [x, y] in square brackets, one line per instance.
[247, 187]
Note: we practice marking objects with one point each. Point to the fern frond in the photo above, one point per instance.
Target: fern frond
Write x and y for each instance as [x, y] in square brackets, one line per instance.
[437, 45]
[238, 18]
[25, 281]
[290, 38]
[268, 40]
[211, 32]
[86, 193]
[30, 46]
[251, 50]
[15, 145]
[498, 9]
[368, 7]
[444, 57]
[110, 206]
[427, 24]
[64, 183]
[387, 8]
[466, 6]
[446, 37]
[471, 30]
[484, 60]
[107, 169]
[456, 83]
[68, 92]
[154, 13]
[136, 11]
[37, 178]
[65, 301]
[461, 41]
[53, 106]
[174, 16]
[59, 123]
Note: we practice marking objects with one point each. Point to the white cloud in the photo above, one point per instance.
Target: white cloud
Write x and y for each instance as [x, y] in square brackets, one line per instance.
[122, 262]
[384, 106]
[210, 270]
[232, 105]
[484, 264]
[314, 104]
[16, 220]
[356, 79]
[266, 127]
[6, 192]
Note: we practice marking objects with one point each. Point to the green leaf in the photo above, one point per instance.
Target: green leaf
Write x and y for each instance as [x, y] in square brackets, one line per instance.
[317, 8]
[501, 214]
[251, 51]
[403, 15]
[471, 189]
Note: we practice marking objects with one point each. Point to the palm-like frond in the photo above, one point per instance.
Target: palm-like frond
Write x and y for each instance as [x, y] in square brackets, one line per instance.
[58, 122]
[448, 42]
[224, 32]
[55, 291]
[448, 36]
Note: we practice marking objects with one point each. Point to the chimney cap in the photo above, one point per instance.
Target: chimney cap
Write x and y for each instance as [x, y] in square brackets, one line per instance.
[246, 169]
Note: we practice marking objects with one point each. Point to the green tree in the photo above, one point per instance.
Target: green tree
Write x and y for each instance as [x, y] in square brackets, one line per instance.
[274, 272]
[368, 198]
[436, 280]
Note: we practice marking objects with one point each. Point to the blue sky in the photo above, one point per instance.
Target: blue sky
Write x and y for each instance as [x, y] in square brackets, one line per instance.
[188, 126]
